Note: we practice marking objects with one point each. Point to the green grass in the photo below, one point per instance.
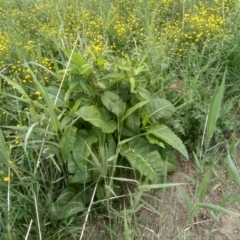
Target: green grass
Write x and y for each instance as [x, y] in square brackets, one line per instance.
[96, 99]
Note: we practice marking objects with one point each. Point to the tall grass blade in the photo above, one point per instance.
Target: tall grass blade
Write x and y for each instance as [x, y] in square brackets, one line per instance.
[234, 169]
[30, 129]
[233, 144]
[16, 86]
[218, 209]
[186, 199]
[204, 184]
[127, 230]
[192, 215]
[214, 109]
[4, 154]
[156, 186]
[54, 120]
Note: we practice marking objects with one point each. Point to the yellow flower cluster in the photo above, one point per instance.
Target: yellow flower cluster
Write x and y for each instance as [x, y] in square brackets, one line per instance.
[6, 179]
[5, 43]
[120, 25]
[193, 24]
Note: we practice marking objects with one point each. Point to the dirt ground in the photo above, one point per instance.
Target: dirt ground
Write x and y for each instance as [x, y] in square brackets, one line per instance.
[171, 224]
[164, 214]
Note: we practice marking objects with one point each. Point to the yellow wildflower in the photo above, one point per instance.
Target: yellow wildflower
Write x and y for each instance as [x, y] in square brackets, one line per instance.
[6, 179]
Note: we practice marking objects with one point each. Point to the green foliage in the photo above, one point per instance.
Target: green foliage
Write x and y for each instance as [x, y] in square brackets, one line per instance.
[100, 93]
[113, 103]
[98, 135]
[67, 141]
[68, 203]
[159, 108]
[165, 134]
[214, 109]
[4, 154]
[93, 132]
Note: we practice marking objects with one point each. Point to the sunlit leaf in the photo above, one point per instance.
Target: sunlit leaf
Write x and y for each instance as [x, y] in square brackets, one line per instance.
[144, 157]
[67, 141]
[131, 126]
[113, 103]
[53, 93]
[68, 203]
[215, 107]
[165, 134]
[93, 115]
[159, 108]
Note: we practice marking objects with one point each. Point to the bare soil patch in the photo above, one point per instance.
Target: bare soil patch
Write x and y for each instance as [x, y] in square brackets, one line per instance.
[164, 214]
[174, 213]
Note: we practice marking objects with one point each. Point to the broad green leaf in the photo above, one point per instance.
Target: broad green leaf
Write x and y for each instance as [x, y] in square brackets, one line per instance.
[82, 165]
[86, 69]
[115, 76]
[102, 85]
[72, 86]
[79, 62]
[52, 93]
[164, 133]
[159, 108]
[65, 120]
[144, 93]
[142, 68]
[169, 166]
[122, 91]
[170, 163]
[68, 203]
[81, 152]
[87, 88]
[97, 162]
[93, 115]
[84, 176]
[144, 157]
[145, 119]
[215, 107]
[155, 140]
[77, 59]
[134, 108]
[67, 141]
[113, 103]
[109, 146]
[131, 126]
[100, 61]
[72, 165]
